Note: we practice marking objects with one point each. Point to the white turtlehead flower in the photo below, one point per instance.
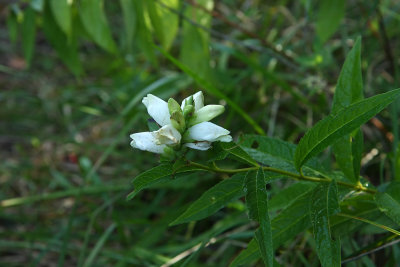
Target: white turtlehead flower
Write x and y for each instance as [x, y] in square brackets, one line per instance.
[200, 136]
[156, 141]
[157, 109]
[198, 133]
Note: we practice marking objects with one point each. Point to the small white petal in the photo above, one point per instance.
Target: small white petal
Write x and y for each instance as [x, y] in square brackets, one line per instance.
[199, 145]
[167, 135]
[207, 131]
[146, 141]
[198, 100]
[157, 109]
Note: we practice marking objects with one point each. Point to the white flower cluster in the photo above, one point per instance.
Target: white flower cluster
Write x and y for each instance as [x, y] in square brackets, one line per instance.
[186, 124]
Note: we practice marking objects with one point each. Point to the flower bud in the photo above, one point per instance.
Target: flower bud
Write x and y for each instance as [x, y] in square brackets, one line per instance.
[178, 121]
[173, 106]
[206, 113]
[187, 101]
[168, 154]
[188, 111]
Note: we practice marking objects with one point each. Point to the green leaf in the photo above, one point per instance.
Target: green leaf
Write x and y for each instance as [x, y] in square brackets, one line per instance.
[66, 49]
[349, 90]
[156, 175]
[195, 41]
[156, 20]
[213, 199]
[330, 14]
[357, 146]
[12, 26]
[248, 255]
[238, 153]
[285, 197]
[164, 22]
[129, 17]
[95, 22]
[28, 34]
[143, 33]
[289, 223]
[333, 127]
[276, 153]
[62, 13]
[359, 205]
[257, 204]
[389, 202]
[324, 203]
[170, 20]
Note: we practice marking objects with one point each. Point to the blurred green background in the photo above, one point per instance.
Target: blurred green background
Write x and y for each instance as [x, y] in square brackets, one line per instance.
[73, 74]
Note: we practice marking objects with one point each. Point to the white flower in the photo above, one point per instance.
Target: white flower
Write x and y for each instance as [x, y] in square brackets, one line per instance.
[199, 135]
[157, 109]
[207, 131]
[156, 141]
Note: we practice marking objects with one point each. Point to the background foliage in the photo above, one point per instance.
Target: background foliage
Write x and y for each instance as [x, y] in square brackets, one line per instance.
[73, 74]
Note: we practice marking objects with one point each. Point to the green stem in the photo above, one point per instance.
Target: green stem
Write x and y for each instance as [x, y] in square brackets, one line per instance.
[358, 187]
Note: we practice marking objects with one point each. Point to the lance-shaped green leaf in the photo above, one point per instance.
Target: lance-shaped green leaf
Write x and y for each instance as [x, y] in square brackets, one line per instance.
[357, 146]
[29, 34]
[257, 204]
[213, 199]
[194, 51]
[330, 13]
[349, 89]
[130, 20]
[324, 203]
[156, 175]
[276, 153]
[95, 22]
[237, 152]
[333, 127]
[289, 195]
[248, 255]
[389, 202]
[62, 13]
[289, 223]
[66, 48]
[163, 20]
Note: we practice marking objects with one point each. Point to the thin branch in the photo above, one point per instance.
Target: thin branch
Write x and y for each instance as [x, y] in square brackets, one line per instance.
[300, 177]
[356, 257]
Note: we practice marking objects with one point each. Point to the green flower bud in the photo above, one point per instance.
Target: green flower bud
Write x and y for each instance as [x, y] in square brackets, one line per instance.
[168, 154]
[189, 101]
[173, 106]
[188, 111]
[178, 121]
